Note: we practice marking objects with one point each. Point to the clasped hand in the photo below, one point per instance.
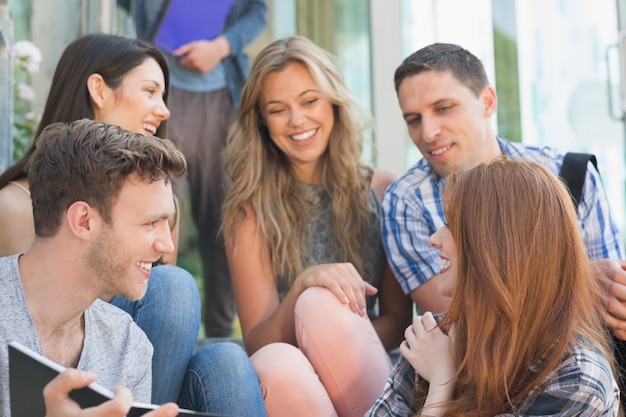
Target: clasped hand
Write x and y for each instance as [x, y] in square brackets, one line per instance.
[429, 350]
[201, 55]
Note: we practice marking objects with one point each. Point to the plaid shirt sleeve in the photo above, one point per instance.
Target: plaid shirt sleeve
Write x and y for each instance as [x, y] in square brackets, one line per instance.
[396, 397]
[582, 385]
[410, 213]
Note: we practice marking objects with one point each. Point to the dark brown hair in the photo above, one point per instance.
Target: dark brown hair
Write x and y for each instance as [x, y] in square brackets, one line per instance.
[112, 57]
[90, 161]
[444, 57]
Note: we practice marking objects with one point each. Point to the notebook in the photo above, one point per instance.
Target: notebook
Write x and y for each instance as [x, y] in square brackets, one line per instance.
[30, 372]
[184, 21]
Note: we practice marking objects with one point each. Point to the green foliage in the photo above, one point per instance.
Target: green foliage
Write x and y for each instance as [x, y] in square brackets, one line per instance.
[26, 59]
[507, 86]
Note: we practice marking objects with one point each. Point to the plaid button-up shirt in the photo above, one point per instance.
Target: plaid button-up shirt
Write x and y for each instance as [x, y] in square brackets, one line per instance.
[412, 210]
[582, 385]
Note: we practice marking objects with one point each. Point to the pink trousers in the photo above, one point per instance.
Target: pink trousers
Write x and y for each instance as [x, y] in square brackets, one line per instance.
[339, 369]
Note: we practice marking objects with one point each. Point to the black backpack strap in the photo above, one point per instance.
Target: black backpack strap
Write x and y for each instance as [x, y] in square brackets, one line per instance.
[574, 171]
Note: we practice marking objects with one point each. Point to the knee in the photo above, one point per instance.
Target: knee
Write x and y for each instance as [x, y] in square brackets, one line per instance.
[223, 358]
[172, 277]
[173, 300]
[280, 364]
[173, 283]
[313, 296]
[286, 374]
[319, 304]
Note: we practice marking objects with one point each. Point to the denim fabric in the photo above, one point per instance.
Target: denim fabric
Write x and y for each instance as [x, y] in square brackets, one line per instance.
[169, 314]
[220, 379]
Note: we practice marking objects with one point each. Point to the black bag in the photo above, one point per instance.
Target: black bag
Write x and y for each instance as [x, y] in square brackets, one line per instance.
[573, 173]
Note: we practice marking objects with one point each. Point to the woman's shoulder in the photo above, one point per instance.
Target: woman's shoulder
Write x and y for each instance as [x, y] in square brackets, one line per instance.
[15, 199]
[583, 379]
[16, 220]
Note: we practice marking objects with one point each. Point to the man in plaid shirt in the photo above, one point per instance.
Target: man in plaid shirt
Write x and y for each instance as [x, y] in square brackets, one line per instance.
[447, 103]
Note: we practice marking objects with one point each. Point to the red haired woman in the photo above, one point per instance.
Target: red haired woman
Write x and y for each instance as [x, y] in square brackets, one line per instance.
[523, 335]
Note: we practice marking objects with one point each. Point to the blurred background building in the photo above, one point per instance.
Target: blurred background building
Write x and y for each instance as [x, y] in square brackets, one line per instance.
[556, 64]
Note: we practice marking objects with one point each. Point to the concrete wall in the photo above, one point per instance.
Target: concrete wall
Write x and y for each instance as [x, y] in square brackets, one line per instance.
[54, 24]
[6, 90]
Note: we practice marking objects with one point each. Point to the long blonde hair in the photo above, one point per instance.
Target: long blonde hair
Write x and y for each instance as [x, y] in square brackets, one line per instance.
[261, 178]
[525, 288]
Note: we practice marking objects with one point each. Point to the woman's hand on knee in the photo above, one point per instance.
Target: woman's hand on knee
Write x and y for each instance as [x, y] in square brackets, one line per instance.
[343, 280]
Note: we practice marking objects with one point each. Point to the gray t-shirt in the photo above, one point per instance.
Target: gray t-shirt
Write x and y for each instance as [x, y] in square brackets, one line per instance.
[115, 348]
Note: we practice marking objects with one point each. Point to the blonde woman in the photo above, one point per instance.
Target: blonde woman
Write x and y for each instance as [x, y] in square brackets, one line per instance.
[301, 222]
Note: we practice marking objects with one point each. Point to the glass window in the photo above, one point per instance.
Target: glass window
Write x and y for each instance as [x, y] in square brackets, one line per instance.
[352, 46]
[566, 57]
[342, 28]
[554, 64]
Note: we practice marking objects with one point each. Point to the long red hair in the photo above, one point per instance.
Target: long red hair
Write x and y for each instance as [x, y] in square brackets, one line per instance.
[525, 288]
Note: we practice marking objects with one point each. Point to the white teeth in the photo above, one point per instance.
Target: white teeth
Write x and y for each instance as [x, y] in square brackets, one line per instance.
[303, 136]
[439, 151]
[146, 266]
[444, 263]
[149, 128]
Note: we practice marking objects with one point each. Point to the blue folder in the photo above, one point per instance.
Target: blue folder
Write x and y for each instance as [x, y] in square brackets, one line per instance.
[185, 21]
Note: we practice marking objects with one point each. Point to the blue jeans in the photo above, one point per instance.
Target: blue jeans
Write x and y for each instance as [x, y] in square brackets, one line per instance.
[169, 314]
[221, 380]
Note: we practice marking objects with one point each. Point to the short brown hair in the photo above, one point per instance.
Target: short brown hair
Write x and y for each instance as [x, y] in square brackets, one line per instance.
[444, 57]
[90, 161]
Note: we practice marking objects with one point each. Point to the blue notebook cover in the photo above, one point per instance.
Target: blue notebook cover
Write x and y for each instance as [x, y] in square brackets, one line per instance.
[185, 21]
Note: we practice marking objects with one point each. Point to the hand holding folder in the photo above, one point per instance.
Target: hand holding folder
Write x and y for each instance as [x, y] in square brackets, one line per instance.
[29, 373]
[185, 21]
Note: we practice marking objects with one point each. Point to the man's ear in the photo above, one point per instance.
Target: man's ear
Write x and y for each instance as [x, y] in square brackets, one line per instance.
[82, 220]
[490, 100]
[97, 90]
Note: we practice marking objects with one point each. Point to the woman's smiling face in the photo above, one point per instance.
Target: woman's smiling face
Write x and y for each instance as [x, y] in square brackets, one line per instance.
[138, 104]
[299, 118]
[443, 241]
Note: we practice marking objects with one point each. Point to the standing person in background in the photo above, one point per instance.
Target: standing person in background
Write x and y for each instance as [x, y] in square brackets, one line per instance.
[207, 76]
